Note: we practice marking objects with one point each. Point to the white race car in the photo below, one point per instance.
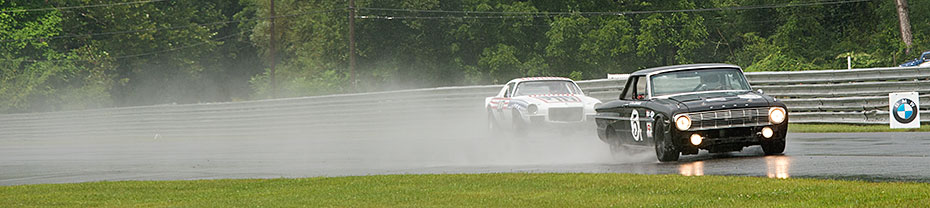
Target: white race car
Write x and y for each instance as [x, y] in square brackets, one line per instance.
[540, 102]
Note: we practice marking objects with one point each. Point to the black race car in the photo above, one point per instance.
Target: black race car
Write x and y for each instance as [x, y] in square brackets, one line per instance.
[680, 109]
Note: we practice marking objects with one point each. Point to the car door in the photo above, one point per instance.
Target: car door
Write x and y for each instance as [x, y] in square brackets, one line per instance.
[494, 105]
[634, 122]
[505, 109]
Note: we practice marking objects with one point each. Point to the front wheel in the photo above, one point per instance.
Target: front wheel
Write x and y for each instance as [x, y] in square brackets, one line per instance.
[493, 128]
[666, 151]
[519, 125]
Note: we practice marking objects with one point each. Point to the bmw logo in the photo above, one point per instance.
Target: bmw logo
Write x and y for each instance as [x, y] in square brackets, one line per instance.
[905, 110]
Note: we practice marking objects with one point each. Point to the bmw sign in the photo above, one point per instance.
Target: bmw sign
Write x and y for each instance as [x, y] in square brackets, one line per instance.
[904, 110]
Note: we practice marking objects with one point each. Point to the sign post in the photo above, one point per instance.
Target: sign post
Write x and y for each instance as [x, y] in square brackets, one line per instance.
[904, 110]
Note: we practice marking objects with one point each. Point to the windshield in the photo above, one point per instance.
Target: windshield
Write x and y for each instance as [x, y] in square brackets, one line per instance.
[698, 81]
[547, 87]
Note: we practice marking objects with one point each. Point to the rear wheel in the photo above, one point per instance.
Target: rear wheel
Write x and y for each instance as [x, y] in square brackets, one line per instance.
[610, 137]
[666, 151]
[620, 152]
[617, 151]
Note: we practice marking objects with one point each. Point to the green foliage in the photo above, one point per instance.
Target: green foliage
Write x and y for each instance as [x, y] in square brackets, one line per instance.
[671, 38]
[138, 54]
[576, 75]
[182, 52]
[57, 85]
[780, 62]
[763, 55]
[27, 85]
[597, 45]
[860, 60]
[502, 63]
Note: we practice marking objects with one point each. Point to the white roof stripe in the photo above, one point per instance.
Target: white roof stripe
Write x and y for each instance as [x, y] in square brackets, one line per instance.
[540, 78]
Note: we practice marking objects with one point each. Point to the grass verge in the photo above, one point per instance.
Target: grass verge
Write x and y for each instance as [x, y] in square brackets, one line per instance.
[839, 128]
[475, 190]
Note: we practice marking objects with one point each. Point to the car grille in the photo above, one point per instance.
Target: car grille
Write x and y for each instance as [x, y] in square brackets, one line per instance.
[566, 114]
[741, 117]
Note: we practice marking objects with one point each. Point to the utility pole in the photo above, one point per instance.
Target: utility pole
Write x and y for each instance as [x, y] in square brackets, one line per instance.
[905, 25]
[352, 77]
[274, 83]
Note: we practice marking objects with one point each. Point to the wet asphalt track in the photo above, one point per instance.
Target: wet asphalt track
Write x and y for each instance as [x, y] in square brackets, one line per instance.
[858, 156]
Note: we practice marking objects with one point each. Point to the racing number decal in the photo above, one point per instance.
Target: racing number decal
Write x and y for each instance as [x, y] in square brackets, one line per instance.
[501, 103]
[649, 129]
[634, 126]
[649, 114]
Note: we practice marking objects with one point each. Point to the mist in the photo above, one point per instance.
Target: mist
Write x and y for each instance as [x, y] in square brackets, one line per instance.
[294, 140]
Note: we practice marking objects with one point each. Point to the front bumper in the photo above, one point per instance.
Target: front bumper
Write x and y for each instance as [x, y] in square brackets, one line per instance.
[727, 139]
[544, 120]
[541, 122]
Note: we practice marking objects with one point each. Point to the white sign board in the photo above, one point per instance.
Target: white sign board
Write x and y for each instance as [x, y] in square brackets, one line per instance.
[904, 111]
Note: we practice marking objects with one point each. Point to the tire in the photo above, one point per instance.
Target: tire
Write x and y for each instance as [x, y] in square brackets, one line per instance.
[774, 146]
[612, 142]
[666, 151]
[617, 150]
[493, 128]
[519, 126]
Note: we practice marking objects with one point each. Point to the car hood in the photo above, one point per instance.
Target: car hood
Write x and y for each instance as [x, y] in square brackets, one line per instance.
[559, 100]
[914, 62]
[566, 98]
[721, 100]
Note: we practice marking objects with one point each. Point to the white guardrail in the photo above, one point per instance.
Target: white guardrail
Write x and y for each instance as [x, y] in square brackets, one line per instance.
[857, 96]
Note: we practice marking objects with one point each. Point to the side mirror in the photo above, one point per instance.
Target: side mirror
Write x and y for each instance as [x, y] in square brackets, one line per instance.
[760, 91]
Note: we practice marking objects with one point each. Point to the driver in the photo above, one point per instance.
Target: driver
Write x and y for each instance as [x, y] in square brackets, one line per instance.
[711, 82]
[557, 89]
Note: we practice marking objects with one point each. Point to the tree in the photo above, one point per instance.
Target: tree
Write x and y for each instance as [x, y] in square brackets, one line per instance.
[36, 76]
[670, 38]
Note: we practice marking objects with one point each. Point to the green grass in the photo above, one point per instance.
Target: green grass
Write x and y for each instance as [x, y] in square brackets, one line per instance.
[824, 128]
[475, 190]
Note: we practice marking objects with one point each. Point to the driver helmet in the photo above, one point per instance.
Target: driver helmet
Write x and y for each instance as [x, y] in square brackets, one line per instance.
[712, 81]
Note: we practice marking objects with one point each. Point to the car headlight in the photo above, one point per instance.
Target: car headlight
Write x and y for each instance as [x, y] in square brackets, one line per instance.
[683, 122]
[532, 109]
[777, 115]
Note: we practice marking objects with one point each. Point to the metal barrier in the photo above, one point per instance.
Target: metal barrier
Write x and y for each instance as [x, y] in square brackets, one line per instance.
[856, 96]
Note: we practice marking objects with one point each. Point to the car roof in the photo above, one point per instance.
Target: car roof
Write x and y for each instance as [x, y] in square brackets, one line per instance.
[539, 79]
[663, 69]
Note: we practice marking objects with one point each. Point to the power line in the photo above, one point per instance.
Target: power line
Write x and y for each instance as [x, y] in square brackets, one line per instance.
[447, 17]
[484, 21]
[546, 14]
[170, 28]
[631, 26]
[179, 48]
[80, 7]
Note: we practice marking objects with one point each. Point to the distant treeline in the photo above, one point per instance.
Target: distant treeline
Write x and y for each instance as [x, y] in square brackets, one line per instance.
[79, 54]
